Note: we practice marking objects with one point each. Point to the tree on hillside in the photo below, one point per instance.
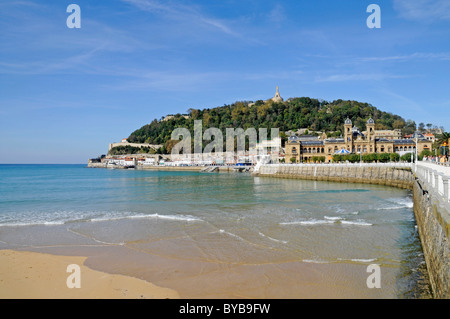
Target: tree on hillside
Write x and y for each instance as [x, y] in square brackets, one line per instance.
[296, 113]
[409, 128]
[421, 127]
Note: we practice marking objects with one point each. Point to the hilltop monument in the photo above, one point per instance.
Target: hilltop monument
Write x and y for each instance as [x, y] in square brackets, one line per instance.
[277, 97]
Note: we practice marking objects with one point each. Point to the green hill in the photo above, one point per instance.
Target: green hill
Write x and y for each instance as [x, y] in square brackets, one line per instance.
[293, 114]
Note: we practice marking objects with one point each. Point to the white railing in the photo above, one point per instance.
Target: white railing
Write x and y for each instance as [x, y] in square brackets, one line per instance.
[438, 163]
[435, 179]
[389, 164]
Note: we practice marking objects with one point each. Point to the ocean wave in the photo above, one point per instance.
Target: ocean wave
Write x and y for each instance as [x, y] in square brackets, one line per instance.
[32, 223]
[393, 207]
[356, 223]
[273, 239]
[359, 260]
[309, 222]
[83, 217]
[328, 221]
[315, 261]
[157, 216]
[231, 234]
[399, 203]
[353, 260]
[332, 218]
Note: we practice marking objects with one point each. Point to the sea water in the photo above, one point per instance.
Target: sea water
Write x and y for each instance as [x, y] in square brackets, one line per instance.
[218, 235]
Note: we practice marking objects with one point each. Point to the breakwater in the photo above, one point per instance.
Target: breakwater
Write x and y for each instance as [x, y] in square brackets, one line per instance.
[431, 194]
[396, 175]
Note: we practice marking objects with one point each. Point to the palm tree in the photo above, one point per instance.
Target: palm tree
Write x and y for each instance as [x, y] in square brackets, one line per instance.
[445, 136]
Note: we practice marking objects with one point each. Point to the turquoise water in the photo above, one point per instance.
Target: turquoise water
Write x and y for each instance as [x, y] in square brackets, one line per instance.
[249, 235]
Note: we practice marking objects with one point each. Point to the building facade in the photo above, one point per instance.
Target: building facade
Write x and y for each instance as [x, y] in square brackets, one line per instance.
[354, 141]
[389, 134]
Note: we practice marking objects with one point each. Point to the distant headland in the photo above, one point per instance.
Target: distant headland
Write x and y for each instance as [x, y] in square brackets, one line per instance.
[300, 118]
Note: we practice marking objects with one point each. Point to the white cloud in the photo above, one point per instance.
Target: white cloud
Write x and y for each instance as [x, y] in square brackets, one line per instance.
[277, 14]
[177, 11]
[408, 57]
[357, 77]
[423, 10]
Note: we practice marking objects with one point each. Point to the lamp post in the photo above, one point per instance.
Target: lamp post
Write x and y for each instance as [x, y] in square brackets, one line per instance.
[415, 166]
[444, 150]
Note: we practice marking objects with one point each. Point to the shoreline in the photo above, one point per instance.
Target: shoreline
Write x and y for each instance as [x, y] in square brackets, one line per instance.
[190, 275]
[32, 275]
[165, 168]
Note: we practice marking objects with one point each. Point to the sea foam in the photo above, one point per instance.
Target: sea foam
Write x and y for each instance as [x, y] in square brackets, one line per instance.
[328, 221]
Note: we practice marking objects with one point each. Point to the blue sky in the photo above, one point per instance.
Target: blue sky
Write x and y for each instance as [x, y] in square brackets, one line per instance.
[66, 93]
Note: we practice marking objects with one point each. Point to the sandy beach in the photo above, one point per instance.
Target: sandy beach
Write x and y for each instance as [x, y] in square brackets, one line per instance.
[30, 275]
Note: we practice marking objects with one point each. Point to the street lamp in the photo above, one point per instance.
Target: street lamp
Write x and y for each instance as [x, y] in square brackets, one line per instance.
[444, 150]
[415, 166]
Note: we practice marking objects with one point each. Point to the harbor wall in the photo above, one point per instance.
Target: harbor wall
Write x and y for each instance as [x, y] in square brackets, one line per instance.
[433, 226]
[389, 175]
[431, 206]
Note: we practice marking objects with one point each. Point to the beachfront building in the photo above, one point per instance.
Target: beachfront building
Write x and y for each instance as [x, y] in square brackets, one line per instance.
[354, 141]
[389, 134]
[430, 137]
[266, 151]
[125, 142]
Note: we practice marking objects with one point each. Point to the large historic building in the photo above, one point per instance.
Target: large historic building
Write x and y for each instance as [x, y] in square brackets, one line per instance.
[303, 149]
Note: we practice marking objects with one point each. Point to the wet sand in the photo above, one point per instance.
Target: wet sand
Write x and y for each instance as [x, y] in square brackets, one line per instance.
[30, 275]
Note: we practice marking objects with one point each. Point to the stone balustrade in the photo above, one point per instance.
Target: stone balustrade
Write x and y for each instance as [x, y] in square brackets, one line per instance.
[435, 178]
